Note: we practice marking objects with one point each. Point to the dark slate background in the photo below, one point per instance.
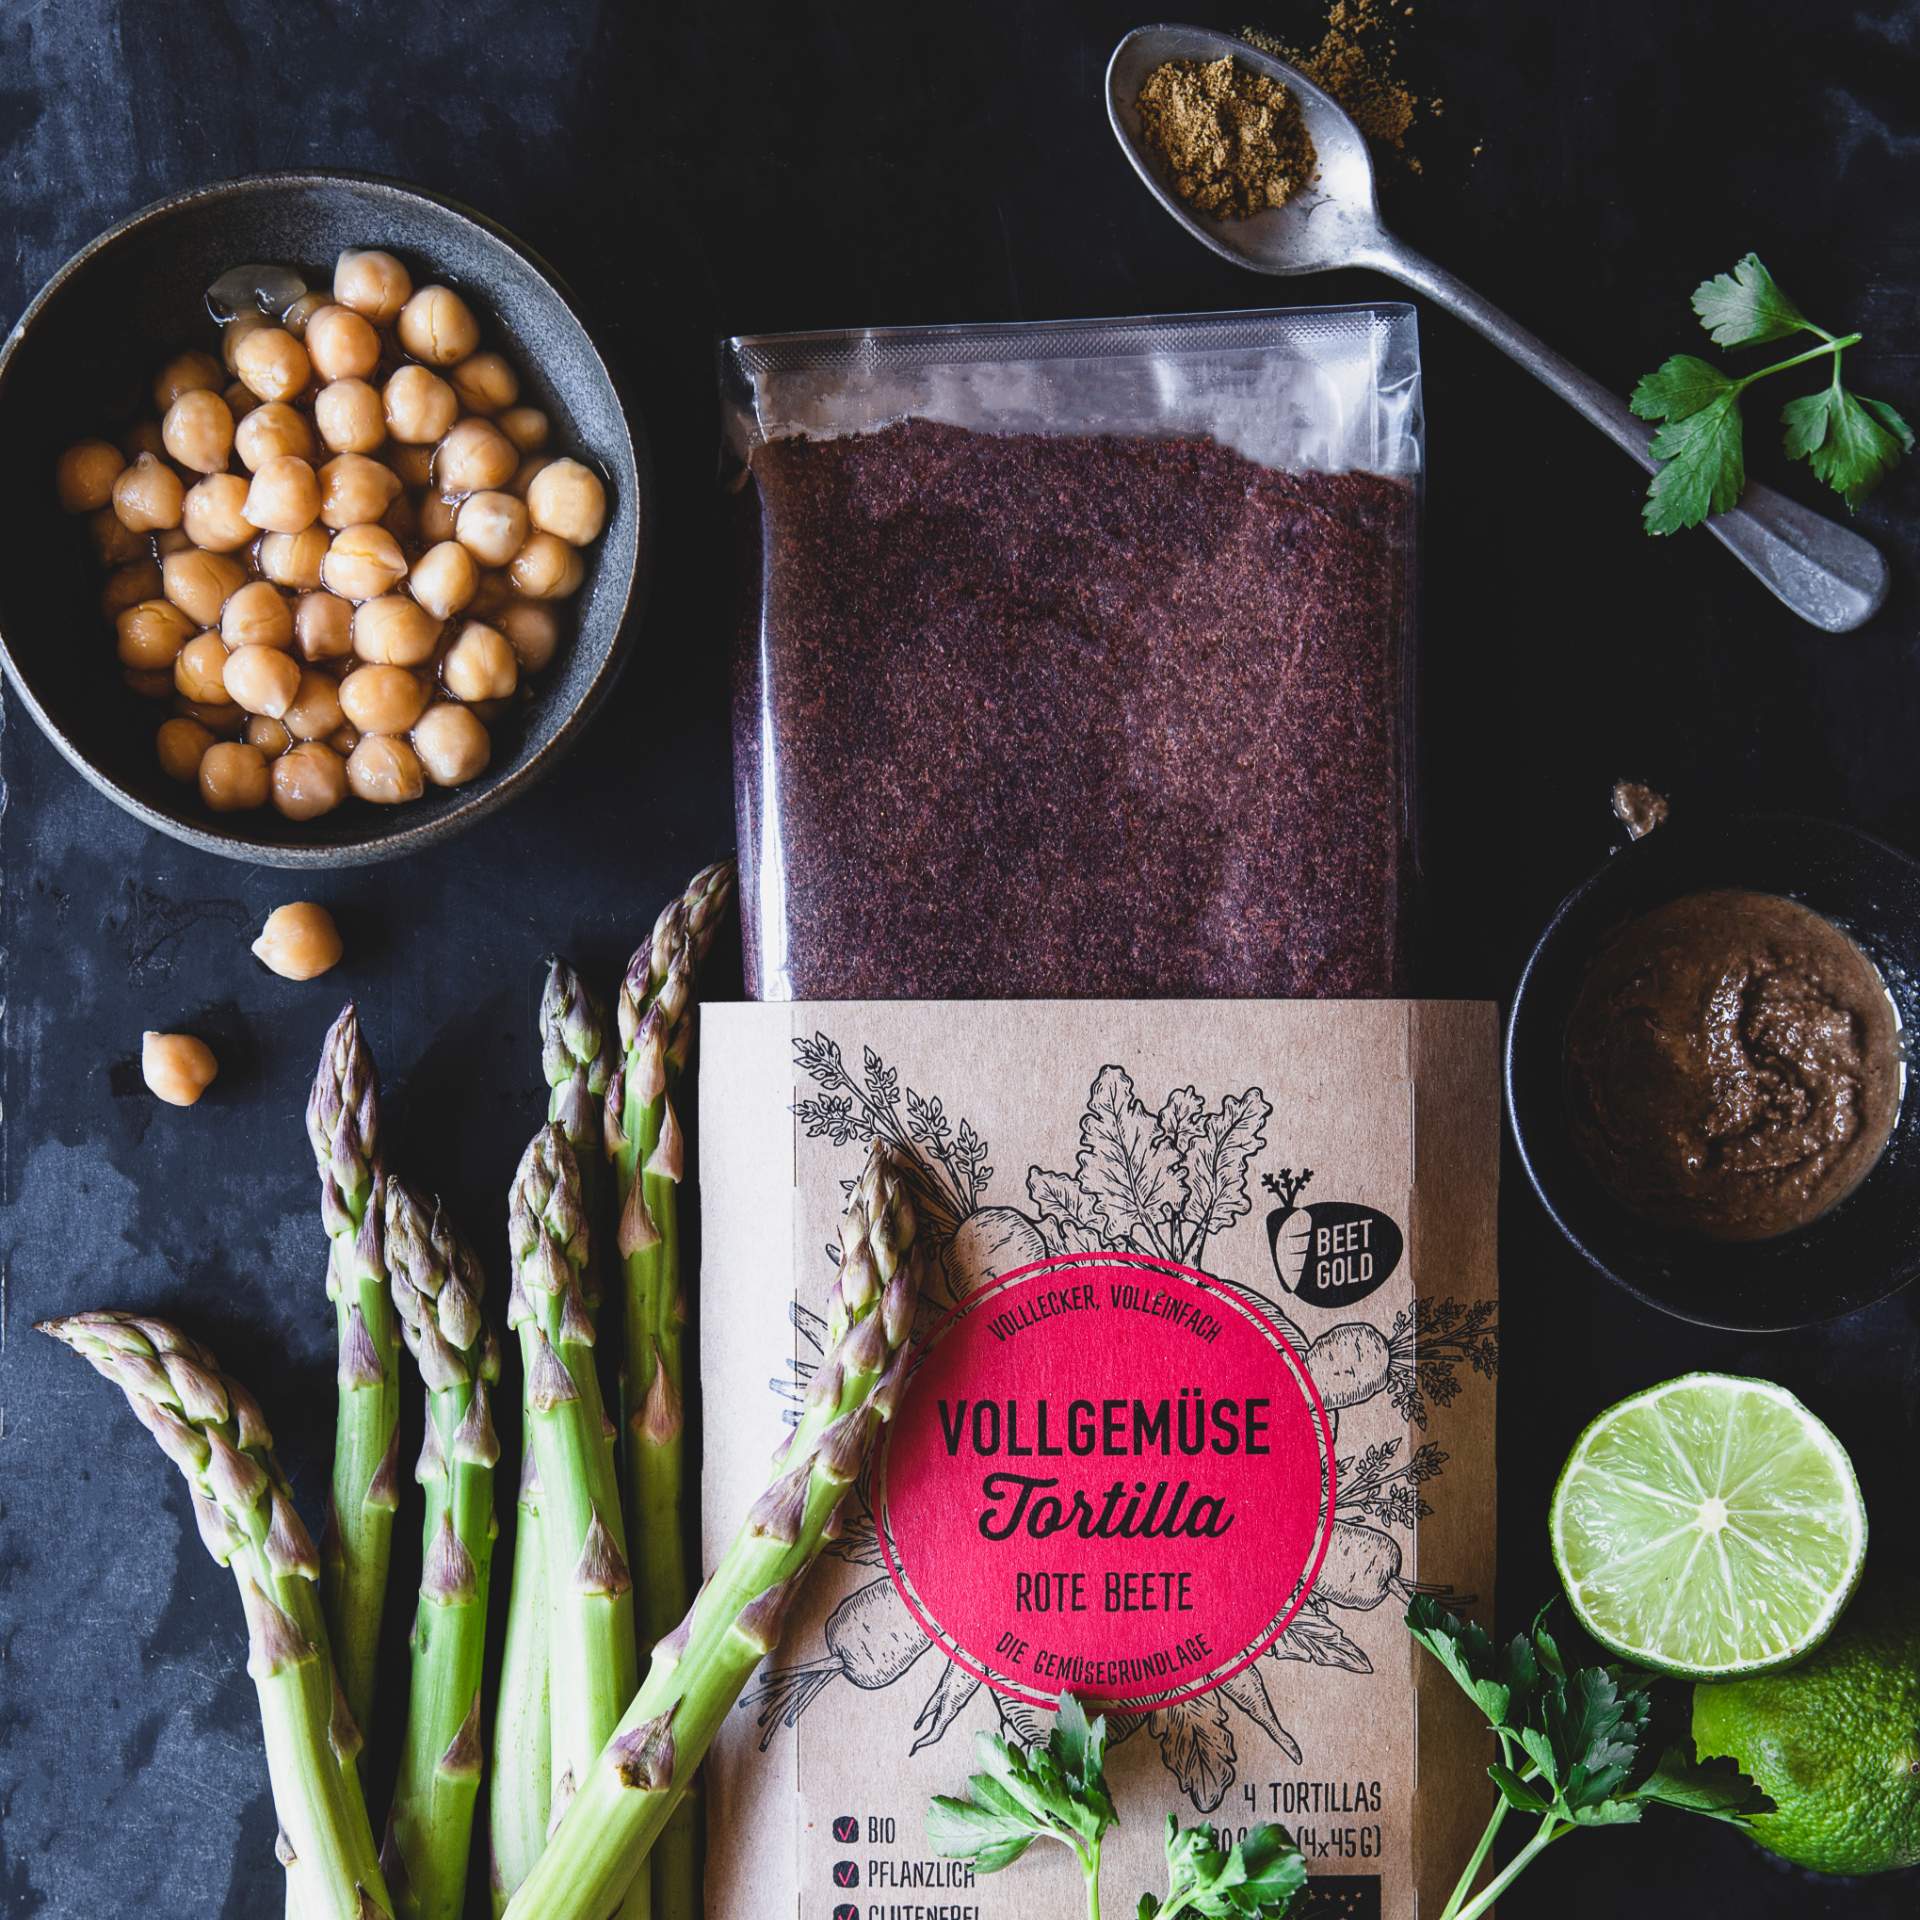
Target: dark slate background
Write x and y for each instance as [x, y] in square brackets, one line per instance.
[784, 165]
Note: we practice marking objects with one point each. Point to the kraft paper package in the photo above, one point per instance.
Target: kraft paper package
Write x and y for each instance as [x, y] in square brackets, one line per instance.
[1206, 1391]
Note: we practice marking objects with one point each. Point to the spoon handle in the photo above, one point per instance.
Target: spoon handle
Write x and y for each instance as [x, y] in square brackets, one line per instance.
[1826, 573]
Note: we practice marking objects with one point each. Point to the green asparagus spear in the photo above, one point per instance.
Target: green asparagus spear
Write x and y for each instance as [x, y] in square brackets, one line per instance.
[212, 1429]
[590, 1643]
[521, 1789]
[437, 1287]
[645, 1143]
[343, 1123]
[623, 1800]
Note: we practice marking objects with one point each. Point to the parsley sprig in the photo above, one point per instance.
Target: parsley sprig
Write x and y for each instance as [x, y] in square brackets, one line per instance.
[1022, 1794]
[1579, 1747]
[1254, 1879]
[1058, 1791]
[1848, 440]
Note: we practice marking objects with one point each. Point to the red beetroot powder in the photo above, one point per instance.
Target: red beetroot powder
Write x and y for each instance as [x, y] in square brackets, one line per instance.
[1031, 715]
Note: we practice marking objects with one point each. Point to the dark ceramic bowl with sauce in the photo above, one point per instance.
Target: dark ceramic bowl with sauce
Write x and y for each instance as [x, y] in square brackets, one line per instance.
[78, 363]
[1861, 1250]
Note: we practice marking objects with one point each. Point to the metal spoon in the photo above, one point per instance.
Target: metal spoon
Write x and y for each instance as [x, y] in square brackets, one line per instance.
[1826, 574]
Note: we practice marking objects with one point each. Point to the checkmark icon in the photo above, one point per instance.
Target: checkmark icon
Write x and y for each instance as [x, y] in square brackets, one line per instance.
[846, 1828]
[846, 1910]
[846, 1873]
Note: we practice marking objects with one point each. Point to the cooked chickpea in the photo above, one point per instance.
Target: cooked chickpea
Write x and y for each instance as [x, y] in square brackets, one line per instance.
[198, 431]
[171, 540]
[437, 326]
[394, 631]
[414, 465]
[187, 373]
[385, 770]
[257, 616]
[284, 496]
[114, 544]
[299, 941]
[273, 432]
[85, 474]
[181, 745]
[485, 382]
[524, 474]
[382, 699]
[344, 742]
[435, 520]
[145, 438]
[355, 491]
[452, 744]
[568, 499]
[294, 559]
[234, 332]
[323, 627]
[127, 586]
[526, 427]
[233, 777]
[532, 630]
[262, 680]
[350, 417]
[480, 665]
[273, 363]
[443, 579]
[300, 316]
[494, 592]
[420, 406]
[199, 670]
[201, 584]
[402, 520]
[341, 344]
[217, 716]
[147, 495]
[315, 710]
[547, 568]
[308, 780]
[149, 683]
[214, 513]
[475, 455]
[270, 736]
[176, 1067]
[363, 563]
[372, 283]
[240, 398]
[152, 633]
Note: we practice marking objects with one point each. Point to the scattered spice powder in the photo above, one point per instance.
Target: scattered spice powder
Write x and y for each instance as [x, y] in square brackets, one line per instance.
[1030, 715]
[1233, 139]
[1354, 61]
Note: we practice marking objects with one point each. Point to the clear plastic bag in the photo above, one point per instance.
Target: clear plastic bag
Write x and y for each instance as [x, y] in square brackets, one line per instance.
[1077, 657]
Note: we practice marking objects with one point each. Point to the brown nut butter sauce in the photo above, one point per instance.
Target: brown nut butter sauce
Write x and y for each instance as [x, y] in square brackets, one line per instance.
[1734, 1065]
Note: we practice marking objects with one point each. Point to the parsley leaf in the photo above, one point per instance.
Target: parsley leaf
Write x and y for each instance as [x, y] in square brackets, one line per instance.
[1579, 1746]
[1022, 1794]
[1849, 441]
[1745, 308]
[1254, 1879]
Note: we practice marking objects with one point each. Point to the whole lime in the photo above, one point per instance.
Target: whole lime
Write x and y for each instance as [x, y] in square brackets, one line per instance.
[1833, 1742]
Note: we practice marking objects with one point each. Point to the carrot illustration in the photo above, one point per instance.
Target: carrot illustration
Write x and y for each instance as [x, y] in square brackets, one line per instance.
[871, 1640]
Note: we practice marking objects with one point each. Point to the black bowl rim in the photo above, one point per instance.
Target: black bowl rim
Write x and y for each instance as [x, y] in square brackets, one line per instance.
[400, 840]
[1901, 1275]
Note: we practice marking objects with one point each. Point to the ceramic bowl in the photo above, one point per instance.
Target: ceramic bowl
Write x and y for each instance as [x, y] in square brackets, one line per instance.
[1861, 1250]
[80, 362]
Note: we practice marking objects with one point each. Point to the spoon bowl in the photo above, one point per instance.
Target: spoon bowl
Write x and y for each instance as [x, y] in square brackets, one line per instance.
[1330, 224]
[1827, 574]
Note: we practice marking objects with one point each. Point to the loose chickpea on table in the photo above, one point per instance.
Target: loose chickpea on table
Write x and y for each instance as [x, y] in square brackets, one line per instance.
[338, 545]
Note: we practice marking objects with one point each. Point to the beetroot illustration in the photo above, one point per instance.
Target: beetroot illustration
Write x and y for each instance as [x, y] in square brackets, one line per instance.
[1333, 1252]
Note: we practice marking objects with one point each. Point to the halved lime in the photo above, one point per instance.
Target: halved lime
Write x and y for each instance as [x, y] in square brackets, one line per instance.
[1709, 1527]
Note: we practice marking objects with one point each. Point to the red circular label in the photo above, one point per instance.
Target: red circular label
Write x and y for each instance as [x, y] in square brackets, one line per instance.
[1111, 1477]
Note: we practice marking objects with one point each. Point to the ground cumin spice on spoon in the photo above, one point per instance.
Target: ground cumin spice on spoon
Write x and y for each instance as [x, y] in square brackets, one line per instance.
[1232, 139]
